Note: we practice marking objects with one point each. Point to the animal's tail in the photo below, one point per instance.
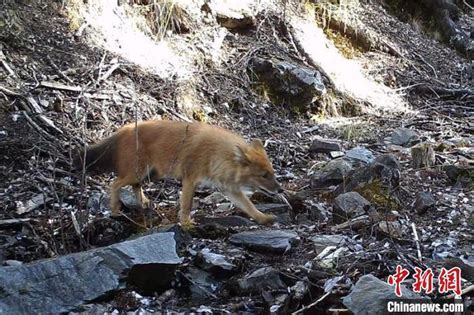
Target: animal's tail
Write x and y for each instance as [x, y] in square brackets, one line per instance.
[99, 158]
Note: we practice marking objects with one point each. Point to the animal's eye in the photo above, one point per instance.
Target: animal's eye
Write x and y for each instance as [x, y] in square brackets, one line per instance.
[266, 175]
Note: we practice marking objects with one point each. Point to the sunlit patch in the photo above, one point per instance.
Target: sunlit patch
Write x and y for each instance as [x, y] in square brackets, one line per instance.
[346, 74]
[114, 29]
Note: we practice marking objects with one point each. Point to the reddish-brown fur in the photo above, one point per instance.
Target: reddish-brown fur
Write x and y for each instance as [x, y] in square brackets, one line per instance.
[191, 152]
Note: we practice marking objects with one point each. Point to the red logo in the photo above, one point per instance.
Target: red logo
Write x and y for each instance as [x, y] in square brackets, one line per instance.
[423, 280]
[449, 280]
[397, 279]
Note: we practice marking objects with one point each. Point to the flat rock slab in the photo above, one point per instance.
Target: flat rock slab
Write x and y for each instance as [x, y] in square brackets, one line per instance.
[273, 241]
[320, 145]
[62, 284]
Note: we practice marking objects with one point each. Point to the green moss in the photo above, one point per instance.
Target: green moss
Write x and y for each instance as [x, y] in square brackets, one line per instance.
[378, 195]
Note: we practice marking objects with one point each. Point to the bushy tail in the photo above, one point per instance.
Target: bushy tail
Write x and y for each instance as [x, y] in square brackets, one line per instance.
[99, 158]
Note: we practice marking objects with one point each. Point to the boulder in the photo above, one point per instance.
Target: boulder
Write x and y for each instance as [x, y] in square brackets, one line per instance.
[62, 284]
[272, 241]
[287, 83]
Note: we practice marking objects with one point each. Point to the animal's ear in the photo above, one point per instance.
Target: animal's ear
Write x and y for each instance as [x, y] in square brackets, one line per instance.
[257, 143]
[241, 155]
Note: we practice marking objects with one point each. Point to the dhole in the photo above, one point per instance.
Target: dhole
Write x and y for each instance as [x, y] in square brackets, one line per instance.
[191, 152]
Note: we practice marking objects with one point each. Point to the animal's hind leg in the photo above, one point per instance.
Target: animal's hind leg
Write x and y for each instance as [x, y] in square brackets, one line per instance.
[115, 203]
[142, 199]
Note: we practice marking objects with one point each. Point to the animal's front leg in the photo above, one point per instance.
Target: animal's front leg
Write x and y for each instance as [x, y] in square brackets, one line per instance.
[187, 195]
[244, 203]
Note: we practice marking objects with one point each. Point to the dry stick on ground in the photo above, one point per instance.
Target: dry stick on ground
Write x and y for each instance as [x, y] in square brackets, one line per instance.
[61, 74]
[417, 241]
[307, 307]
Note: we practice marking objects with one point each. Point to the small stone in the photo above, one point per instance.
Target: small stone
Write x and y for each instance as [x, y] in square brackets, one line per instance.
[360, 154]
[214, 198]
[272, 241]
[322, 241]
[320, 145]
[392, 228]
[128, 200]
[260, 279]
[215, 263]
[424, 201]
[404, 136]
[347, 206]
[333, 173]
[201, 284]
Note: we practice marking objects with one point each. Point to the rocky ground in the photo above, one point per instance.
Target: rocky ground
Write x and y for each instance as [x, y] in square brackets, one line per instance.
[365, 191]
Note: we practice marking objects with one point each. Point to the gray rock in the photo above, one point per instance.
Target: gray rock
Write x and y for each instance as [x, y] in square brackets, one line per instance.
[181, 236]
[289, 83]
[369, 296]
[322, 241]
[214, 198]
[460, 175]
[12, 262]
[275, 208]
[385, 168]
[260, 279]
[62, 284]
[272, 241]
[281, 211]
[201, 284]
[336, 154]
[128, 200]
[360, 154]
[424, 201]
[347, 206]
[318, 212]
[215, 263]
[98, 203]
[320, 145]
[404, 136]
[333, 173]
[230, 16]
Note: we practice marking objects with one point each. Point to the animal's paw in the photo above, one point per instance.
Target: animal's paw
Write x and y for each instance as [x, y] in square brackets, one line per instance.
[187, 223]
[146, 203]
[267, 219]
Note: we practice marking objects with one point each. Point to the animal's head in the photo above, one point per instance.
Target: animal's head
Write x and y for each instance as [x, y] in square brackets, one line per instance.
[257, 171]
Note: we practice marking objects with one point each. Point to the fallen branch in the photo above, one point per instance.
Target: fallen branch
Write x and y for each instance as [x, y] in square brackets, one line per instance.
[60, 86]
[355, 223]
[307, 307]
[9, 223]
